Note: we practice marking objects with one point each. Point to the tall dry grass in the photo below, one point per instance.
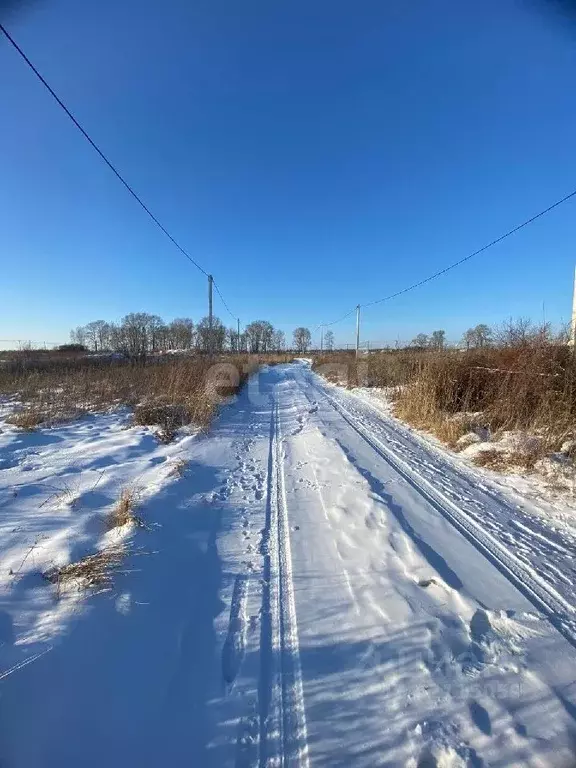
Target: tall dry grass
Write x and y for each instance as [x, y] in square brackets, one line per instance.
[170, 391]
[529, 385]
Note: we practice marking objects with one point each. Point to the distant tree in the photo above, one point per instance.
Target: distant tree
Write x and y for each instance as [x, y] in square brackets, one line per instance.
[420, 341]
[233, 341]
[302, 339]
[181, 333]
[329, 341]
[78, 335]
[72, 348]
[469, 338]
[117, 338]
[522, 332]
[483, 335]
[96, 335]
[243, 342]
[154, 332]
[260, 335]
[210, 339]
[480, 336]
[137, 334]
[437, 340]
[134, 332]
[278, 341]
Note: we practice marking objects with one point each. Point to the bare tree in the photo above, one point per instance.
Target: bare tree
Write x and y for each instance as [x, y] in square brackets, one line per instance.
[469, 338]
[181, 333]
[480, 336]
[78, 336]
[154, 326]
[210, 339]
[278, 341]
[329, 341]
[302, 339]
[438, 339]
[260, 334]
[421, 340]
[135, 333]
[96, 335]
[233, 340]
[522, 332]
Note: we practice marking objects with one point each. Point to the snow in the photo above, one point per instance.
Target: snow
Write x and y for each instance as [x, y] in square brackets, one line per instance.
[548, 492]
[316, 584]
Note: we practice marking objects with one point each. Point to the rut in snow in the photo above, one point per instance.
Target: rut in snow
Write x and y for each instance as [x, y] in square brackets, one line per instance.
[282, 712]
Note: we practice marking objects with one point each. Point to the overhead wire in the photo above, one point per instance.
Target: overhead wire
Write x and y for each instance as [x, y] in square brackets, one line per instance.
[475, 253]
[93, 144]
[391, 296]
[226, 307]
[441, 272]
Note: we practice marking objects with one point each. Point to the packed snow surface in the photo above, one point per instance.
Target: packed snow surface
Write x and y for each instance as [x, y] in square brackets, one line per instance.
[312, 585]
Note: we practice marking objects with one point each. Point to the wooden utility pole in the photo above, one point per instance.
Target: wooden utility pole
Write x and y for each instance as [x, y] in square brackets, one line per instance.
[357, 330]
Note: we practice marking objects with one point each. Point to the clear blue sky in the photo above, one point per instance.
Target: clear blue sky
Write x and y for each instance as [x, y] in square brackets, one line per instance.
[312, 154]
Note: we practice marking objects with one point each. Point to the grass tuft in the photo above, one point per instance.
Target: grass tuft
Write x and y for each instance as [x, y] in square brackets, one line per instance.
[123, 511]
[92, 571]
[28, 419]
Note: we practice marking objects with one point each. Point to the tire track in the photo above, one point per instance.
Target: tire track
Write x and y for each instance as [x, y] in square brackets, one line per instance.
[283, 739]
[542, 595]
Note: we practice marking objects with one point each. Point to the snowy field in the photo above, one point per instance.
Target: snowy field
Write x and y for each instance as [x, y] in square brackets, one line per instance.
[312, 583]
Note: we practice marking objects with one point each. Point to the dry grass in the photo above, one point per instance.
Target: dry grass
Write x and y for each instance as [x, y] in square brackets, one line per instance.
[92, 571]
[500, 461]
[168, 392]
[123, 511]
[528, 384]
[27, 419]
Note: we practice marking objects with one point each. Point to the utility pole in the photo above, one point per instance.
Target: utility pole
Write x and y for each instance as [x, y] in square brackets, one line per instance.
[210, 316]
[238, 338]
[321, 338]
[357, 330]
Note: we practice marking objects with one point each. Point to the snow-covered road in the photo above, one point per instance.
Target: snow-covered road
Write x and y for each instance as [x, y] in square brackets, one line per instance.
[327, 591]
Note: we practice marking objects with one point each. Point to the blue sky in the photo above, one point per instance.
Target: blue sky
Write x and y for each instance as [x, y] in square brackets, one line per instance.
[312, 155]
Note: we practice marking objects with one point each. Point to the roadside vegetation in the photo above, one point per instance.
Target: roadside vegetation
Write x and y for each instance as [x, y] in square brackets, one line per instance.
[507, 396]
[169, 392]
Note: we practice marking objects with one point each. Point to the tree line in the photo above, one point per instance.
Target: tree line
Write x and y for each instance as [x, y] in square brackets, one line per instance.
[479, 336]
[140, 333]
[510, 333]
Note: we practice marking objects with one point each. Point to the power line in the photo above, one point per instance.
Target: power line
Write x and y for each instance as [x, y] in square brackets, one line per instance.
[98, 150]
[337, 321]
[459, 262]
[475, 253]
[233, 316]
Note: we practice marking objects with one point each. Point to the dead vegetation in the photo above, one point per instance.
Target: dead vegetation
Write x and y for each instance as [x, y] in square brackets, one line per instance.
[93, 571]
[123, 511]
[168, 392]
[525, 384]
[27, 419]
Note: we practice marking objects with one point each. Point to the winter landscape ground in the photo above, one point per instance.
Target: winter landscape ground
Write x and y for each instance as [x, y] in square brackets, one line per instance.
[309, 582]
